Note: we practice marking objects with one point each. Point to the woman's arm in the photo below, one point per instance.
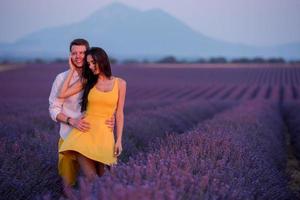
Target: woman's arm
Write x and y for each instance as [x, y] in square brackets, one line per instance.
[67, 89]
[120, 116]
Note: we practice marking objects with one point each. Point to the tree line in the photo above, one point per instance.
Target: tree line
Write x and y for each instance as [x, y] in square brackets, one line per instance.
[168, 59]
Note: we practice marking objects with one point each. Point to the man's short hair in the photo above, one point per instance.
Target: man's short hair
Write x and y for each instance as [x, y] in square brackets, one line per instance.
[80, 41]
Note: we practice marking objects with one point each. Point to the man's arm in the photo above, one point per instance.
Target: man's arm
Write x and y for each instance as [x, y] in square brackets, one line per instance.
[79, 124]
[55, 104]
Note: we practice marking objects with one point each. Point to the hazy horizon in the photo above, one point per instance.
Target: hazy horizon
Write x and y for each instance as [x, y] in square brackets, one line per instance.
[253, 23]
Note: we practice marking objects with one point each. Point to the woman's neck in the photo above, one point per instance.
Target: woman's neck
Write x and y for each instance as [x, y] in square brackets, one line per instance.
[102, 77]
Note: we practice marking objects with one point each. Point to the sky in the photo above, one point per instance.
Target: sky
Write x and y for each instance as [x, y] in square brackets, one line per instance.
[251, 22]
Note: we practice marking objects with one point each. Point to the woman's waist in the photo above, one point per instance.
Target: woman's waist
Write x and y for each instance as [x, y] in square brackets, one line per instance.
[97, 123]
[98, 115]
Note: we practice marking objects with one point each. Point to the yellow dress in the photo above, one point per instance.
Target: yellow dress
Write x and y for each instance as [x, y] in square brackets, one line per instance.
[98, 143]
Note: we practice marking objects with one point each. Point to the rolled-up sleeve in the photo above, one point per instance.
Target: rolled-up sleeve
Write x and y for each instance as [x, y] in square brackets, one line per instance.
[55, 104]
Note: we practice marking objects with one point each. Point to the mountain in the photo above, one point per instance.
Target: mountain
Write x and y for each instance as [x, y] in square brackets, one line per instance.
[127, 32]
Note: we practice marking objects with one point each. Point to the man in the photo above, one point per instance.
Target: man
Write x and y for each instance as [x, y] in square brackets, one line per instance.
[67, 111]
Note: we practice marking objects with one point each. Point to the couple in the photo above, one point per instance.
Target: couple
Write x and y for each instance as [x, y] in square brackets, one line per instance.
[87, 100]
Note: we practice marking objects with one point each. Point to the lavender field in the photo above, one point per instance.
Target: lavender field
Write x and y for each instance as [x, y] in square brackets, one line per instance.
[191, 132]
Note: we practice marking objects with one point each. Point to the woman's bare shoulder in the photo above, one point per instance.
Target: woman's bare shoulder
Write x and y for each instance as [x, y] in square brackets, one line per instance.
[122, 82]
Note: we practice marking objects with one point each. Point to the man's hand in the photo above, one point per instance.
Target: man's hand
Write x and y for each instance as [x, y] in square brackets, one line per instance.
[110, 123]
[80, 124]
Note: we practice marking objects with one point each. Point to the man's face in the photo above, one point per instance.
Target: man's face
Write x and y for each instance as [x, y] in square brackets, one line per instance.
[77, 55]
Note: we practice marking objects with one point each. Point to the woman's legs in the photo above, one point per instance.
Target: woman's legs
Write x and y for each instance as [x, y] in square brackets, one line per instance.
[88, 167]
[100, 169]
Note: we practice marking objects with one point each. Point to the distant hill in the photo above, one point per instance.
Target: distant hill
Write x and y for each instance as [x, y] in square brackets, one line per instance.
[127, 32]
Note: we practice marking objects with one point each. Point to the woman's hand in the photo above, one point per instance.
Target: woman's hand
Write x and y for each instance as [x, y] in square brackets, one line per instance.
[118, 148]
[71, 65]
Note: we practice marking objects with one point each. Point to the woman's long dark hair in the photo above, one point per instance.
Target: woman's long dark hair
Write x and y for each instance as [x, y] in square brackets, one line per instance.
[102, 61]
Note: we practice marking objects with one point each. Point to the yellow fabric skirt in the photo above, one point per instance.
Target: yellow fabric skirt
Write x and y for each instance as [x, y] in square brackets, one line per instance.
[97, 144]
[67, 166]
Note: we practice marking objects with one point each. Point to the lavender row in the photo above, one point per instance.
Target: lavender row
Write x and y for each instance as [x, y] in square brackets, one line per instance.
[28, 150]
[136, 105]
[184, 83]
[170, 74]
[239, 154]
[144, 126]
[219, 92]
[292, 117]
[29, 140]
[34, 81]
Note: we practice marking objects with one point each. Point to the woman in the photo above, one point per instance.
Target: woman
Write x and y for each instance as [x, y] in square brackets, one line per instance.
[103, 96]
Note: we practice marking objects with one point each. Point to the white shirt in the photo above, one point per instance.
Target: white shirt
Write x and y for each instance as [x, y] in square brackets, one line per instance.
[69, 106]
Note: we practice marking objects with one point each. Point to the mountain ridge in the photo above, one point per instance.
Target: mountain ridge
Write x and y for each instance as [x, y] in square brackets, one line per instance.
[126, 32]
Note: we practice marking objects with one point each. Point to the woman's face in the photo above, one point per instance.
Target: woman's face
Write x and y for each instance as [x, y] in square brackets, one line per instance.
[92, 65]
